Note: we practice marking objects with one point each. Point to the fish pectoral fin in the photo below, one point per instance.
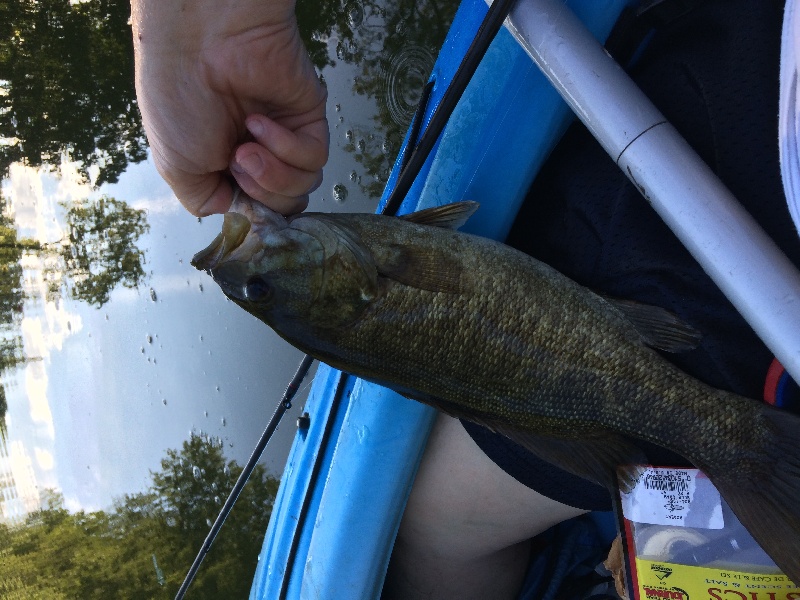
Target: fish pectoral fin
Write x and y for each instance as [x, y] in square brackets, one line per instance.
[422, 269]
[597, 457]
[659, 328]
[449, 216]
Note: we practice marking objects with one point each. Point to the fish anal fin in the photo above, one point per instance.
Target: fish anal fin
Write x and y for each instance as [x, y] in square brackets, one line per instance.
[422, 269]
[659, 328]
[598, 456]
[448, 216]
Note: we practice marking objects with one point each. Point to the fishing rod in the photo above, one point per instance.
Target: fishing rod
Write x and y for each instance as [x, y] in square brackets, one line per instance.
[412, 163]
[280, 410]
[491, 24]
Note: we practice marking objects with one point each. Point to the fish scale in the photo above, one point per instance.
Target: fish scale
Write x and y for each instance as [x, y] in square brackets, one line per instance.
[486, 333]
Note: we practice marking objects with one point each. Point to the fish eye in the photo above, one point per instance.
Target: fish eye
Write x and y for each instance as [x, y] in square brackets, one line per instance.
[257, 290]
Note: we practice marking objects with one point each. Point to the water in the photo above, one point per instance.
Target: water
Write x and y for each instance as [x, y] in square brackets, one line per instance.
[115, 350]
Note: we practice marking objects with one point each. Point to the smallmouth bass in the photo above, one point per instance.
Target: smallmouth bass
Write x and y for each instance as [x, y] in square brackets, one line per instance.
[486, 333]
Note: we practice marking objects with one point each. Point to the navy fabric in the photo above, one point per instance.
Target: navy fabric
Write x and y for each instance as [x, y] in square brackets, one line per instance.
[564, 561]
[714, 74]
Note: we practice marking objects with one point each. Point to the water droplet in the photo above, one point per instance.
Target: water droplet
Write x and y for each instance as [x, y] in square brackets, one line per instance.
[338, 108]
[153, 295]
[200, 286]
[201, 338]
[209, 523]
[222, 420]
[349, 134]
[362, 433]
[149, 339]
[196, 472]
[164, 401]
[340, 51]
[216, 387]
[339, 192]
[205, 413]
[226, 471]
[361, 145]
[353, 176]
[217, 500]
[355, 15]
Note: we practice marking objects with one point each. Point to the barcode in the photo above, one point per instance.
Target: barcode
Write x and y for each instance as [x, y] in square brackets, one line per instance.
[666, 482]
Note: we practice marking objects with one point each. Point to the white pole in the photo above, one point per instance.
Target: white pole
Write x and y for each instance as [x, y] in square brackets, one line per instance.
[742, 260]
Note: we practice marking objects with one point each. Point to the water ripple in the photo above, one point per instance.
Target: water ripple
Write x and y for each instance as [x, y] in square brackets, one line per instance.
[404, 79]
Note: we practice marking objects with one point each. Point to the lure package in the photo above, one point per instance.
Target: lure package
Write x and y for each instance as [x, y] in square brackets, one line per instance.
[681, 541]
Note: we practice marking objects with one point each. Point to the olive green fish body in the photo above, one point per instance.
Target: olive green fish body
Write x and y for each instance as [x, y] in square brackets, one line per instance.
[513, 342]
[489, 334]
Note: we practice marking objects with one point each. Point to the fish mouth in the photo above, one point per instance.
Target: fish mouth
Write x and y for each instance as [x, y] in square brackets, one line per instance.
[235, 228]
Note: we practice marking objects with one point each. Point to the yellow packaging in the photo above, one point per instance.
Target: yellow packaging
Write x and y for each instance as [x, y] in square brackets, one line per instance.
[661, 580]
[682, 542]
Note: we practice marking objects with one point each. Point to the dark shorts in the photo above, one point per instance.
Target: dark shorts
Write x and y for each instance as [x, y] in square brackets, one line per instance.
[714, 75]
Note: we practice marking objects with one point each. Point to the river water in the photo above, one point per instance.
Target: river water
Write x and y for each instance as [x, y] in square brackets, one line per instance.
[102, 377]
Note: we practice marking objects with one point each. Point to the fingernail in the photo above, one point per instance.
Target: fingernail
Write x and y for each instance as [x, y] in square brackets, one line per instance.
[250, 164]
[255, 127]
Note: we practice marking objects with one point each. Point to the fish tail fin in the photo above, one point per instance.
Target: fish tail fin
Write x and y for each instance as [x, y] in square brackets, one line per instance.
[769, 506]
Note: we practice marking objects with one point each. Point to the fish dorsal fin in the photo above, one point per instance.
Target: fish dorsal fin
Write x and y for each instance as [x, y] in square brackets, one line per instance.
[422, 269]
[449, 216]
[659, 328]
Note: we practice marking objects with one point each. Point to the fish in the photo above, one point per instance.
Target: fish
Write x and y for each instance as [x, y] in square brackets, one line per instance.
[486, 333]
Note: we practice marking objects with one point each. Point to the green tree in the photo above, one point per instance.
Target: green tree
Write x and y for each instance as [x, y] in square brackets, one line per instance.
[99, 251]
[67, 87]
[144, 545]
[191, 487]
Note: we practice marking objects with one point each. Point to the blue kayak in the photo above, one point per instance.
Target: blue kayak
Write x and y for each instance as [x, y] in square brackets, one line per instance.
[353, 461]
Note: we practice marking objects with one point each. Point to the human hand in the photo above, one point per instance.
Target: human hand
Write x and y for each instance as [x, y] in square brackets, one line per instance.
[226, 88]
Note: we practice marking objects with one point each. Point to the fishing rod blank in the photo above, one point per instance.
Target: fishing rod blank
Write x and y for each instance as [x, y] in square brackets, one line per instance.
[285, 404]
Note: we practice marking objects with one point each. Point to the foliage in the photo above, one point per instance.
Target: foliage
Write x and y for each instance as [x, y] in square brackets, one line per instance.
[99, 251]
[66, 86]
[144, 545]
[11, 299]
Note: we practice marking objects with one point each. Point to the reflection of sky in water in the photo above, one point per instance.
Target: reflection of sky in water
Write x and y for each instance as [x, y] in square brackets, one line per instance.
[117, 386]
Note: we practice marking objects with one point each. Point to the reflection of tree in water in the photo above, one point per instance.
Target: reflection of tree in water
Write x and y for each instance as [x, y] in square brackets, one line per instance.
[97, 254]
[11, 300]
[394, 45]
[66, 86]
[66, 75]
[99, 251]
